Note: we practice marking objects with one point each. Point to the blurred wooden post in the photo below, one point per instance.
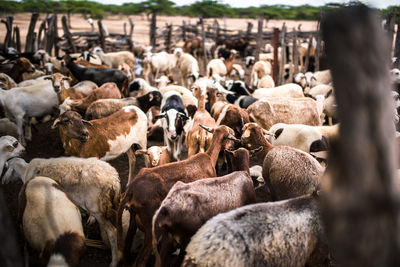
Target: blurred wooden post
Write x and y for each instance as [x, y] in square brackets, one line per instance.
[153, 26]
[132, 27]
[391, 20]
[275, 70]
[30, 37]
[184, 30]
[39, 42]
[49, 34]
[317, 49]
[55, 35]
[397, 43]
[259, 36]
[67, 34]
[102, 38]
[217, 30]
[203, 41]
[307, 61]
[8, 39]
[17, 39]
[168, 38]
[360, 196]
[248, 31]
[283, 55]
[10, 254]
[295, 53]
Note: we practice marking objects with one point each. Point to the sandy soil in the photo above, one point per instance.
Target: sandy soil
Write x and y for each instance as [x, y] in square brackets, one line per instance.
[115, 24]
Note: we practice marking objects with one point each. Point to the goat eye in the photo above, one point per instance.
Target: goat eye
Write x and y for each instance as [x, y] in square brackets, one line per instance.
[15, 144]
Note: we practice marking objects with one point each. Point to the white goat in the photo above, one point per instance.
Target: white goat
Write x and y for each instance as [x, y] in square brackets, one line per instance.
[31, 101]
[115, 59]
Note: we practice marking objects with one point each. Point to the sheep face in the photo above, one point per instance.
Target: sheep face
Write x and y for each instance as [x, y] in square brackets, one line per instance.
[10, 147]
[72, 124]
[57, 79]
[173, 123]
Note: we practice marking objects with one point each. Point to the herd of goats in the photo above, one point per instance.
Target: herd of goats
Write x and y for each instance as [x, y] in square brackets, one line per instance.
[179, 209]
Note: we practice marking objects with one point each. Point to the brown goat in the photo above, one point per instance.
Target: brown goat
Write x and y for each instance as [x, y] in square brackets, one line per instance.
[20, 66]
[193, 46]
[188, 206]
[107, 90]
[287, 172]
[198, 139]
[145, 193]
[230, 61]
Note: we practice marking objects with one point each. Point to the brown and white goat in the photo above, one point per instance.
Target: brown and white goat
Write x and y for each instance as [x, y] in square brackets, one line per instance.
[58, 235]
[105, 138]
[64, 90]
[287, 172]
[145, 193]
[189, 205]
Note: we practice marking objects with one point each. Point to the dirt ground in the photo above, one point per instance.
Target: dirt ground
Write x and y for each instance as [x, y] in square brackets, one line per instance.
[115, 24]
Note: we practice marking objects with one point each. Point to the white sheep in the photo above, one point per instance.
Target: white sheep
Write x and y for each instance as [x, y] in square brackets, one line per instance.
[286, 90]
[31, 101]
[304, 137]
[160, 63]
[189, 68]
[7, 127]
[93, 185]
[9, 148]
[60, 232]
[284, 233]
[266, 82]
[260, 69]
[216, 66]
[115, 59]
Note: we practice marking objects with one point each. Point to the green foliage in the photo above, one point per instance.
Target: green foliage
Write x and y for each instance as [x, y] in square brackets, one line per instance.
[204, 8]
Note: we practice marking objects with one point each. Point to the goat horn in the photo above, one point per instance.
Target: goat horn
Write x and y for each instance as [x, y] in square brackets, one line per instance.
[208, 129]
[57, 121]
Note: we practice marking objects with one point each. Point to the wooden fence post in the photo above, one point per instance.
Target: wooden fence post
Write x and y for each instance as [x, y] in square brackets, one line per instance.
[8, 39]
[283, 55]
[259, 35]
[132, 27]
[307, 61]
[275, 70]
[295, 54]
[17, 39]
[184, 30]
[102, 38]
[55, 35]
[50, 35]
[168, 38]
[30, 37]
[217, 30]
[397, 44]
[67, 34]
[391, 20]
[248, 31]
[203, 40]
[361, 201]
[39, 42]
[153, 26]
[317, 49]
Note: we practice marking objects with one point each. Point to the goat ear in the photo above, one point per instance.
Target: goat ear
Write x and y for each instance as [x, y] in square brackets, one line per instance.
[141, 152]
[255, 151]
[183, 115]
[151, 97]
[208, 129]
[55, 123]
[9, 148]
[87, 122]
[66, 79]
[48, 78]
